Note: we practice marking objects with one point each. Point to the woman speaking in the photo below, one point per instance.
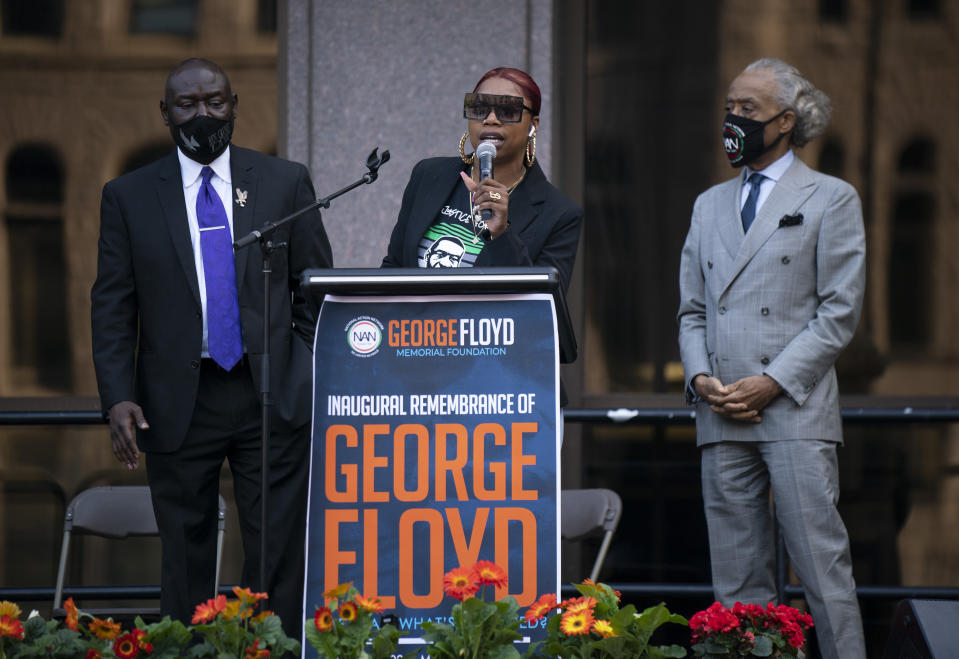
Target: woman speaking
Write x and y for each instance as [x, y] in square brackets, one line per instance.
[442, 223]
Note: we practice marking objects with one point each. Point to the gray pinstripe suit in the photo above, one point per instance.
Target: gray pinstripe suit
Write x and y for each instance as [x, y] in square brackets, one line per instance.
[783, 300]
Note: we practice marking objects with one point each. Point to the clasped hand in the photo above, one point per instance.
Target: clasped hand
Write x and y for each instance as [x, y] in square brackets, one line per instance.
[490, 194]
[742, 400]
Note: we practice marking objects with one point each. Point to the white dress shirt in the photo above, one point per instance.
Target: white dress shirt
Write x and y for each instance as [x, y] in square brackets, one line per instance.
[772, 173]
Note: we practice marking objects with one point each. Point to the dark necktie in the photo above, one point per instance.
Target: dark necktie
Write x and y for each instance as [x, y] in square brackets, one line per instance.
[755, 181]
[224, 337]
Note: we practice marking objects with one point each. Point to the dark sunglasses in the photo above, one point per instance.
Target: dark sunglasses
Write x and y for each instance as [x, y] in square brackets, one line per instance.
[509, 109]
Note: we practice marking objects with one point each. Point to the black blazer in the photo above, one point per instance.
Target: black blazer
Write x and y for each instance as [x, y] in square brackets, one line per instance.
[146, 317]
[544, 224]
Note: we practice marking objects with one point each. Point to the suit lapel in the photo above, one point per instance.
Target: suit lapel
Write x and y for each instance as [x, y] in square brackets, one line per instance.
[730, 221]
[437, 191]
[170, 195]
[790, 192]
[244, 190]
[527, 199]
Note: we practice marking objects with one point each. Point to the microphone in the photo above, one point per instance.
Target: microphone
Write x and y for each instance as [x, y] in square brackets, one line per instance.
[485, 153]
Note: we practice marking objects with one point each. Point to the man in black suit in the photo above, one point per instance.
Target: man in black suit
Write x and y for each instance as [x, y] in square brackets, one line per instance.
[177, 323]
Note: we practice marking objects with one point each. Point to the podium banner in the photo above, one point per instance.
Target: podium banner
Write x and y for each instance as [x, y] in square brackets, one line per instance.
[435, 445]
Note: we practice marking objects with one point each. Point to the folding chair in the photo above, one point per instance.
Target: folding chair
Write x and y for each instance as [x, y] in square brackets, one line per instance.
[119, 512]
[587, 513]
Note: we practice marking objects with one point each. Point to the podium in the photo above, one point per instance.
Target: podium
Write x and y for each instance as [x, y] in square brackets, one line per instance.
[436, 435]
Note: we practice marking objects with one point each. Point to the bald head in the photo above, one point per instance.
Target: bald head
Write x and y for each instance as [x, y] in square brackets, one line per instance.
[199, 106]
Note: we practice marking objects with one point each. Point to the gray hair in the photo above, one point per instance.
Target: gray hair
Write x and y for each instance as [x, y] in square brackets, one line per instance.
[811, 106]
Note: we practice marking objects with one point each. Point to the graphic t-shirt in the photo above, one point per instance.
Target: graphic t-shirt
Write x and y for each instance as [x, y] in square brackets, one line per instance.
[450, 241]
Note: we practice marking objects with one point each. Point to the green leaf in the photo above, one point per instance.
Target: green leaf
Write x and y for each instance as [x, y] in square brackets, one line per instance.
[762, 646]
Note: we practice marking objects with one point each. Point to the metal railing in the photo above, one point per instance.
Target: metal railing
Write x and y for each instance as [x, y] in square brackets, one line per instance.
[646, 416]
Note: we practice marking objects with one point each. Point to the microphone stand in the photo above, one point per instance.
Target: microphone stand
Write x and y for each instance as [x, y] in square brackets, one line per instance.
[267, 246]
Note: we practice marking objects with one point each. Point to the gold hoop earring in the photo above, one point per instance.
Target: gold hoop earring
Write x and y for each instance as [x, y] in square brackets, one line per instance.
[468, 159]
[530, 151]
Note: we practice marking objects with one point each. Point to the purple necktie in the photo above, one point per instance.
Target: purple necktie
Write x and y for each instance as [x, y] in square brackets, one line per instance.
[224, 337]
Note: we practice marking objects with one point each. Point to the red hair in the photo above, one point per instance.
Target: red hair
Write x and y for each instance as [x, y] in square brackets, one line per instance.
[522, 79]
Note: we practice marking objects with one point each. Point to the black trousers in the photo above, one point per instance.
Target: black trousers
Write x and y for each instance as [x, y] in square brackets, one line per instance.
[185, 485]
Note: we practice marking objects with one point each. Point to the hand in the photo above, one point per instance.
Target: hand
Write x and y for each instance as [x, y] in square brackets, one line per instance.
[746, 398]
[123, 416]
[484, 196]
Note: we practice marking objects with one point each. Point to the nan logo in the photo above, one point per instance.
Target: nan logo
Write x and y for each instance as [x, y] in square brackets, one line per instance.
[364, 335]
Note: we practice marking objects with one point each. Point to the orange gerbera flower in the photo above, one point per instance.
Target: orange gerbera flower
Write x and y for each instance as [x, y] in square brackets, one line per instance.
[10, 627]
[254, 651]
[209, 610]
[580, 604]
[541, 607]
[9, 609]
[460, 582]
[323, 619]
[347, 612]
[369, 604]
[126, 646]
[490, 574]
[73, 616]
[262, 615]
[106, 629]
[576, 623]
[603, 628]
[338, 592]
[247, 596]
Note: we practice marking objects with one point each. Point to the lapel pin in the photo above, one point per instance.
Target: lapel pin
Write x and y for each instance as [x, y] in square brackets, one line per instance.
[241, 196]
[791, 220]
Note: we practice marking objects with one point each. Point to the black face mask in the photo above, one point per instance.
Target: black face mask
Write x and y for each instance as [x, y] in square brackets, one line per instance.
[203, 138]
[743, 138]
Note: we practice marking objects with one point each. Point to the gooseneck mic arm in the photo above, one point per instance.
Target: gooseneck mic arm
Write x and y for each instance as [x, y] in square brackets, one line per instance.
[373, 164]
[262, 236]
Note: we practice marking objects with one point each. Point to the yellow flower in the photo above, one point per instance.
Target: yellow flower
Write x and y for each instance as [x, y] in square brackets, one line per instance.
[603, 628]
[347, 612]
[232, 609]
[9, 609]
[338, 592]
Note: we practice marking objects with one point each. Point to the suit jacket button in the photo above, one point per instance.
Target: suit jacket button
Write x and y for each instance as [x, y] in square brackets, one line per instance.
[785, 260]
[195, 364]
[722, 310]
[709, 264]
[764, 361]
[764, 311]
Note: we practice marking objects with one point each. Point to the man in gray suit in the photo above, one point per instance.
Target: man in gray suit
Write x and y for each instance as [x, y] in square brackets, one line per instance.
[771, 284]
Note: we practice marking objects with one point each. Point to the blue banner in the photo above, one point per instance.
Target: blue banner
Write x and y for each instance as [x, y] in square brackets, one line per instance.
[435, 445]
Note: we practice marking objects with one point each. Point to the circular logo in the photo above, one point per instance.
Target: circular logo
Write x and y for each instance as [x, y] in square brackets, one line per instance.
[734, 139]
[364, 336]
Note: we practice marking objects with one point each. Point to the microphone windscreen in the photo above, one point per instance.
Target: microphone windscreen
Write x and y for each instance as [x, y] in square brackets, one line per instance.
[486, 150]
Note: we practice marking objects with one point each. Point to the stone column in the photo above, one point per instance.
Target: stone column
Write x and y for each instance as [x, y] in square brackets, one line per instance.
[366, 73]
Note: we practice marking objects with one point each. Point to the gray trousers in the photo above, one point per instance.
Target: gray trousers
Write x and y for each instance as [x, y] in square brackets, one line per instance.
[804, 479]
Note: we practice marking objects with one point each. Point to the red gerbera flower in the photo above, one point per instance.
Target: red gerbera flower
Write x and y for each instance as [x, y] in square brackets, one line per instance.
[126, 646]
[369, 604]
[254, 651]
[10, 626]
[140, 635]
[209, 610]
[461, 583]
[490, 574]
[323, 619]
[541, 607]
[93, 654]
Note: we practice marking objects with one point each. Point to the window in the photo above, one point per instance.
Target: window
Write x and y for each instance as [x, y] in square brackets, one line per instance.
[266, 16]
[42, 18]
[163, 17]
[833, 11]
[921, 10]
[832, 158]
[39, 341]
[145, 155]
